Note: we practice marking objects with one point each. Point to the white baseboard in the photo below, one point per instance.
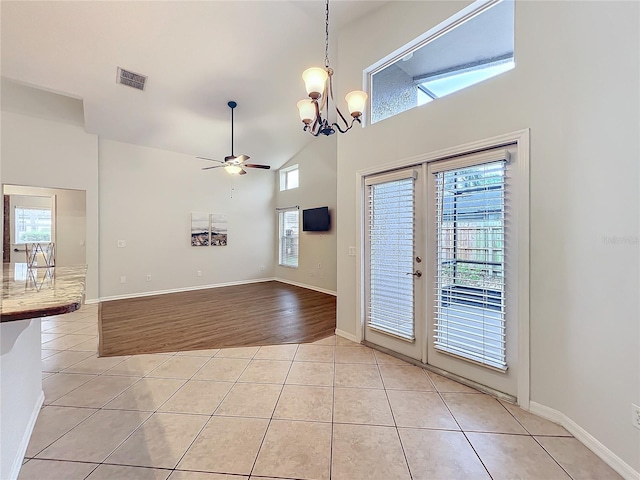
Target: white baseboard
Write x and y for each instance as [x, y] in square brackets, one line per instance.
[304, 285]
[610, 458]
[347, 335]
[93, 301]
[179, 290]
[24, 443]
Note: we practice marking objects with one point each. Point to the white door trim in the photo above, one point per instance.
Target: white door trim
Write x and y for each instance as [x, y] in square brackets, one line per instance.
[521, 139]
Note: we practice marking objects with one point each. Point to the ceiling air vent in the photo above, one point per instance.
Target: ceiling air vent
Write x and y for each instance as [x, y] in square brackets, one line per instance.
[131, 79]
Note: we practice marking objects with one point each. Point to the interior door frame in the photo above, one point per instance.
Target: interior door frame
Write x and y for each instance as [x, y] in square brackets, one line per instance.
[521, 139]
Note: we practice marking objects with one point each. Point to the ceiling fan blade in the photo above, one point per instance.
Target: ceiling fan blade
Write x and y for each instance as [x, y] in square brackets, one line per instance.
[242, 158]
[215, 166]
[257, 165]
[210, 159]
[242, 172]
[229, 158]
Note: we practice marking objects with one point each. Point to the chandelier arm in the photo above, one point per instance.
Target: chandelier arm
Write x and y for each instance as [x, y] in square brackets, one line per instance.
[346, 123]
[349, 127]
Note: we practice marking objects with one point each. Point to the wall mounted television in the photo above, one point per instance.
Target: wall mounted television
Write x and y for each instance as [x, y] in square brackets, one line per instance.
[316, 220]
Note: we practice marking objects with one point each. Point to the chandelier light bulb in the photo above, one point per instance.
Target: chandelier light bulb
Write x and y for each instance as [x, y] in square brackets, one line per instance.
[356, 101]
[315, 80]
[307, 110]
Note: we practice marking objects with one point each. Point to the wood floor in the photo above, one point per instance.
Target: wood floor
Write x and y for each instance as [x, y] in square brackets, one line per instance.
[267, 313]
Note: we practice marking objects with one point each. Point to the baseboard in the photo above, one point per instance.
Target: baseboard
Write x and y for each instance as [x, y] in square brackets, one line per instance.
[93, 301]
[347, 335]
[24, 443]
[304, 285]
[179, 290]
[610, 458]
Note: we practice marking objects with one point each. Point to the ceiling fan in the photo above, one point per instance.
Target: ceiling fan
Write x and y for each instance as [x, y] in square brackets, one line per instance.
[232, 164]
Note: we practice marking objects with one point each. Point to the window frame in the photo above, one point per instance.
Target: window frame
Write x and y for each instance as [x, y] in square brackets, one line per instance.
[284, 177]
[282, 236]
[457, 19]
[16, 230]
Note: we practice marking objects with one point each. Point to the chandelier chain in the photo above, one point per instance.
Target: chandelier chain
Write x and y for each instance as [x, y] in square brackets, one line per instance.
[326, 34]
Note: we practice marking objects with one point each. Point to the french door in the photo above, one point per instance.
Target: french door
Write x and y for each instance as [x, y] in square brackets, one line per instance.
[440, 262]
[395, 270]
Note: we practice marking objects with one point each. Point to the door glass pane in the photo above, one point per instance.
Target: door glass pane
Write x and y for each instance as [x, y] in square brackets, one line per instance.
[391, 247]
[33, 224]
[470, 301]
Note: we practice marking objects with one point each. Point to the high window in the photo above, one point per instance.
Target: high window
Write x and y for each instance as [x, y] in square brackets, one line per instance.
[32, 224]
[289, 224]
[472, 46]
[289, 178]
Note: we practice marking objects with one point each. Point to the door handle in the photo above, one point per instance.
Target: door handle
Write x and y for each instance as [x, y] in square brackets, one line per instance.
[417, 273]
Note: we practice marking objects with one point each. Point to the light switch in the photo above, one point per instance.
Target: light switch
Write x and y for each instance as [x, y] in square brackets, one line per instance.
[122, 243]
[352, 251]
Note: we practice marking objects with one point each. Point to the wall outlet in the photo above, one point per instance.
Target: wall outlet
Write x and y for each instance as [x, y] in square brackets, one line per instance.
[148, 278]
[122, 243]
[123, 279]
[199, 273]
[262, 268]
[352, 251]
[635, 415]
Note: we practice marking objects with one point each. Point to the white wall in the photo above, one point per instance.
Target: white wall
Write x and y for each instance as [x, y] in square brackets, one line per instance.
[317, 188]
[575, 86]
[146, 198]
[70, 219]
[45, 153]
[20, 392]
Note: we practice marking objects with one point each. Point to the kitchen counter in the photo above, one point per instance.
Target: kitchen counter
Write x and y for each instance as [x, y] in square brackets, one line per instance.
[40, 292]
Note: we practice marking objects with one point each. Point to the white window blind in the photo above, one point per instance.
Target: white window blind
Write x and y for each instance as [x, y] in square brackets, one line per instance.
[391, 228]
[289, 228]
[470, 293]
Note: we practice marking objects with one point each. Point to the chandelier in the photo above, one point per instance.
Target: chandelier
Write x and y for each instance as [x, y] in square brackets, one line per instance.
[319, 85]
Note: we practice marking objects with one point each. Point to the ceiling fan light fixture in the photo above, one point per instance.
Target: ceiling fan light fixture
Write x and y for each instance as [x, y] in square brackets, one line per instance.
[319, 85]
[232, 169]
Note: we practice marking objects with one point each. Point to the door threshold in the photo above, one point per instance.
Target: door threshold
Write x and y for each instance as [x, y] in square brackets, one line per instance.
[451, 376]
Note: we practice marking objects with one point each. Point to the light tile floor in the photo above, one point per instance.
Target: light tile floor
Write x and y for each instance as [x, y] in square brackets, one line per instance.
[328, 410]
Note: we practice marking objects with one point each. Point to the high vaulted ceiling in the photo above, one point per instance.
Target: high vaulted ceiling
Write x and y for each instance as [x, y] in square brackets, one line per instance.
[197, 56]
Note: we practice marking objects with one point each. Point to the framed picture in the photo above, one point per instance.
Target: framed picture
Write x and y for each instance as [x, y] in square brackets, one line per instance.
[218, 223]
[200, 230]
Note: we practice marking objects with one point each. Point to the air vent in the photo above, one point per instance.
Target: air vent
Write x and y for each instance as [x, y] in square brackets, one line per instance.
[131, 79]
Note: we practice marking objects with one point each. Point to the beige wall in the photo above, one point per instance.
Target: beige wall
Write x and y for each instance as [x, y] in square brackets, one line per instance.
[575, 85]
[317, 188]
[146, 198]
[45, 153]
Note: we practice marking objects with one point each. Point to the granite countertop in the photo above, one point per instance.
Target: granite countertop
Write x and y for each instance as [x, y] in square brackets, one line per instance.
[40, 292]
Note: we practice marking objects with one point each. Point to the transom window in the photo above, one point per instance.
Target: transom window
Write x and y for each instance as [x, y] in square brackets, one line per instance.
[289, 178]
[472, 46]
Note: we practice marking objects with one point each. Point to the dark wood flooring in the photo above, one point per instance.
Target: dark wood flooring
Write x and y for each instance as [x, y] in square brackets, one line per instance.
[267, 313]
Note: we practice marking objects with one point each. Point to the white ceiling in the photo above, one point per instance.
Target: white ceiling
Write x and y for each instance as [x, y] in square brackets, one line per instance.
[197, 55]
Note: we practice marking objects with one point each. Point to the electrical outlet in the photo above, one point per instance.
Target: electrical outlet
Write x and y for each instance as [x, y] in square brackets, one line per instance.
[199, 273]
[123, 279]
[635, 418]
[148, 278]
[122, 243]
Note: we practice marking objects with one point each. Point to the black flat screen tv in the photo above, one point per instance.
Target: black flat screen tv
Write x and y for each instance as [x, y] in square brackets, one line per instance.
[316, 220]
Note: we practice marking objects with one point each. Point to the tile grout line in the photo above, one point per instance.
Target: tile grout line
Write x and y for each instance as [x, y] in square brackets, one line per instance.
[255, 461]
[393, 416]
[217, 406]
[460, 426]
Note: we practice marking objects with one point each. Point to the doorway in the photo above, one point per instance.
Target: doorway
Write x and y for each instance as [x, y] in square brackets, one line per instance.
[441, 266]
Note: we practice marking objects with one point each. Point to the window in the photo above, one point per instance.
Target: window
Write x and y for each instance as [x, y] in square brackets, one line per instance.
[289, 178]
[288, 220]
[32, 224]
[473, 46]
[470, 293]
